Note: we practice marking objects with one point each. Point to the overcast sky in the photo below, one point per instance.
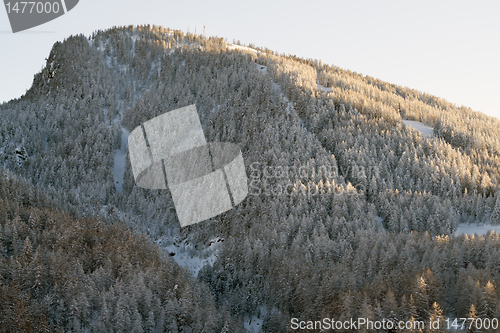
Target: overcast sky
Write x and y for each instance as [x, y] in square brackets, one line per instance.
[450, 49]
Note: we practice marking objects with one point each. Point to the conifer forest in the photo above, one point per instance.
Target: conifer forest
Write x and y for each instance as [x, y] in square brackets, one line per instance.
[350, 212]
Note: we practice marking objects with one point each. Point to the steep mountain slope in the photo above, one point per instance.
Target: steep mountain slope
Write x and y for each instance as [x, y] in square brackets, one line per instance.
[59, 273]
[346, 206]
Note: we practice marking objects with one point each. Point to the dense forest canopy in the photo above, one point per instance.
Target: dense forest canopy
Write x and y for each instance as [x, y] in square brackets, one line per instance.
[351, 213]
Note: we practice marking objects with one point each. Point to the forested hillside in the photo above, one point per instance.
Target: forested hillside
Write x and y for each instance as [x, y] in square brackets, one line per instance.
[350, 213]
[59, 273]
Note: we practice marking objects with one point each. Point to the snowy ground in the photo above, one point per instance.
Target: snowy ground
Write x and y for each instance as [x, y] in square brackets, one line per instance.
[119, 161]
[418, 126]
[254, 324]
[241, 48]
[262, 69]
[325, 89]
[193, 259]
[471, 229]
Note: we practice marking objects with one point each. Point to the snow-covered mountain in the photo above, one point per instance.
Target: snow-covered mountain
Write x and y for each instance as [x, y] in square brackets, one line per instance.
[349, 209]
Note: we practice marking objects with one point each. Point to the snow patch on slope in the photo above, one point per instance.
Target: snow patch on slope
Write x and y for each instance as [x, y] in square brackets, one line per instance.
[232, 46]
[254, 323]
[187, 256]
[471, 229]
[261, 68]
[119, 161]
[323, 88]
[418, 126]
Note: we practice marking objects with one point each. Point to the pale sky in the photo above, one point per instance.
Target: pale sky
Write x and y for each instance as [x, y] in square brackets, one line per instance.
[450, 49]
